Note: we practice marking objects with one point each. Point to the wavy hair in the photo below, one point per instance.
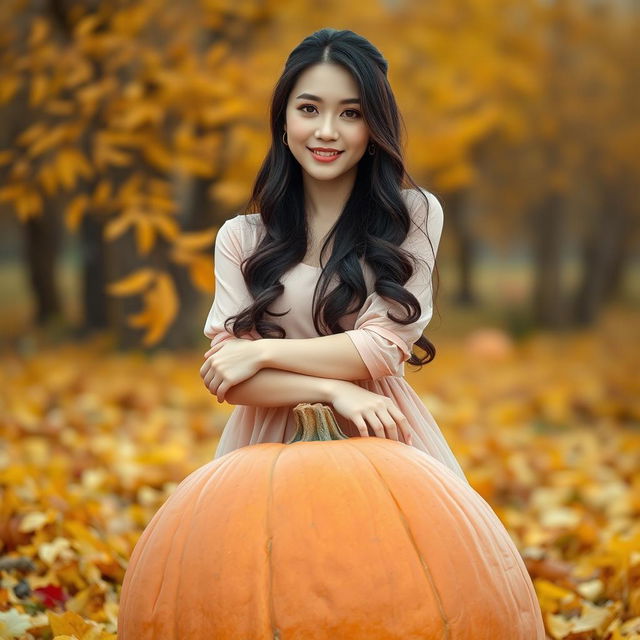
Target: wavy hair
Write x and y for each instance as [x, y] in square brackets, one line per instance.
[375, 219]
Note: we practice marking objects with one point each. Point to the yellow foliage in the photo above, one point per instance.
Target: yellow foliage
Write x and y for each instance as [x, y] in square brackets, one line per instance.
[29, 205]
[74, 212]
[160, 301]
[48, 178]
[196, 240]
[201, 270]
[116, 227]
[39, 31]
[9, 86]
[145, 234]
[96, 441]
[39, 89]
[71, 165]
[71, 625]
[135, 282]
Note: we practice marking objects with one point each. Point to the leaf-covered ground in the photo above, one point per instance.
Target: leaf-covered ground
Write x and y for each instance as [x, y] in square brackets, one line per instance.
[547, 430]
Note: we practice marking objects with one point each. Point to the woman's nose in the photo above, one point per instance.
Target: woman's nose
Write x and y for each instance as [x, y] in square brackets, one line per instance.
[326, 130]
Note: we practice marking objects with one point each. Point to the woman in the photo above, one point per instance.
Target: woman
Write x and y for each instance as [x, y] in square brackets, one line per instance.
[337, 260]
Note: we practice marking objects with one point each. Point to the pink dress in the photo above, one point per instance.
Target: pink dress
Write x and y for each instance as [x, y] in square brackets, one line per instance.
[383, 344]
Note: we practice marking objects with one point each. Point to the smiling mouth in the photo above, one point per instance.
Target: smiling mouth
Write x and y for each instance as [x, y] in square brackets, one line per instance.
[325, 154]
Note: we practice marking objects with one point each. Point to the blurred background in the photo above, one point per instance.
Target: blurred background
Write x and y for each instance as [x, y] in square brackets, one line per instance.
[131, 130]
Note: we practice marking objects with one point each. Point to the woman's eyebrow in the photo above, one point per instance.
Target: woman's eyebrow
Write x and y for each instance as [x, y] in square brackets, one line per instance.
[310, 96]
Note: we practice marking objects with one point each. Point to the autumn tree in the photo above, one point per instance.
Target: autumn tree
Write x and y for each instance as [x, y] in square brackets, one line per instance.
[142, 125]
[129, 108]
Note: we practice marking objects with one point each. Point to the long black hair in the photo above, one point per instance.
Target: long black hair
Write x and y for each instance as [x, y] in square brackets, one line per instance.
[373, 223]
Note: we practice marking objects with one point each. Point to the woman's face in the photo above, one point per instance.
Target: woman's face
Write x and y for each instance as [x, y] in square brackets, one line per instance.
[323, 111]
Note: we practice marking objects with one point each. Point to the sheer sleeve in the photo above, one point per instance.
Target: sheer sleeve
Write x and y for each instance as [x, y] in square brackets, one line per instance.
[231, 294]
[385, 345]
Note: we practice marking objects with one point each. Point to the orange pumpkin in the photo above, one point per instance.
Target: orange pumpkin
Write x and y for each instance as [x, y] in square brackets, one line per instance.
[490, 344]
[326, 537]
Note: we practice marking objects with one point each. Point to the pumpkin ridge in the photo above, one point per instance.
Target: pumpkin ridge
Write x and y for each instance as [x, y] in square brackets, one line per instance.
[488, 516]
[475, 515]
[136, 557]
[274, 628]
[164, 572]
[197, 474]
[194, 508]
[406, 527]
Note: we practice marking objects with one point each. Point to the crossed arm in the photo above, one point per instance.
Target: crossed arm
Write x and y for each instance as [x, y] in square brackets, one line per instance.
[300, 370]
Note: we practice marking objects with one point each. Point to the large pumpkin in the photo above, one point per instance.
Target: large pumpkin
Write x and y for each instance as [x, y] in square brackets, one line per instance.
[326, 538]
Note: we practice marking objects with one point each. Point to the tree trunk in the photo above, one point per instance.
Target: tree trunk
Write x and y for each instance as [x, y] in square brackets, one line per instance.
[121, 258]
[93, 274]
[457, 214]
[42, 240]
[197, 213]
[549, 305]
[601, 256]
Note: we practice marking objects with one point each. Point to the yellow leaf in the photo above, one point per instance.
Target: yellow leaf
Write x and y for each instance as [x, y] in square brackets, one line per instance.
[118, 225]
[158, 155]
[145, 234]
[102, 193]
[71, 625]
[230, 193]
[71, 164]
[162, 304]
[75, 211]
[39, 31]
[550, 593]
[201, 167]
[6, 156]
[201, 272]
[29, 205]
[35, 132]
[48, 178]
[59, 547]
[131, 187]
[105, 155]
[133, 283]
[49, 139]
[142, 319]
[9, 87]
[10, 192]
[167, 297]
[36, 520]
[159, 202]
[196, 240]
[86, 25]
[167, 226]
[39, 88]
[457, 176]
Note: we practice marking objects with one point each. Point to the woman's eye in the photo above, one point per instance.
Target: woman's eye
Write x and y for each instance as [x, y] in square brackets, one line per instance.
[304, 106]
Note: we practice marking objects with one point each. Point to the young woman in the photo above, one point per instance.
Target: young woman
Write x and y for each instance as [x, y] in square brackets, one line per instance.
[338, 260]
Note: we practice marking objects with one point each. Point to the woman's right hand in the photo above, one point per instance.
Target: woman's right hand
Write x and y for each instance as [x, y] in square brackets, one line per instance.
[365, 407]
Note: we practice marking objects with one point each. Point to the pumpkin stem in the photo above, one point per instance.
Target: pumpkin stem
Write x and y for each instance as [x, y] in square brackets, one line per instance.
[315, 422]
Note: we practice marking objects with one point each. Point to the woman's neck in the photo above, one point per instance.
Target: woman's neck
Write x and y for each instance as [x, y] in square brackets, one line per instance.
[325, 200]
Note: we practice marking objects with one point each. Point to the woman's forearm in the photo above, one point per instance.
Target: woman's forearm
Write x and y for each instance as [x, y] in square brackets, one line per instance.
[334, 356]
[278, 388]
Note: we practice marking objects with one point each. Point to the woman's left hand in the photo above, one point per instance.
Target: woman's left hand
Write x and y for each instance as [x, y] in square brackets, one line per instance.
[229, 363]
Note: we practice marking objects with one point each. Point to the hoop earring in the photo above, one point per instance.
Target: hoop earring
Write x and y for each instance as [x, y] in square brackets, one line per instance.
[372, 148]
[283, 140]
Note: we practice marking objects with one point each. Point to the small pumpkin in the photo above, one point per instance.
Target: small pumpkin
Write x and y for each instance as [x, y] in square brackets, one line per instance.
[490, 344]
[326, 537]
